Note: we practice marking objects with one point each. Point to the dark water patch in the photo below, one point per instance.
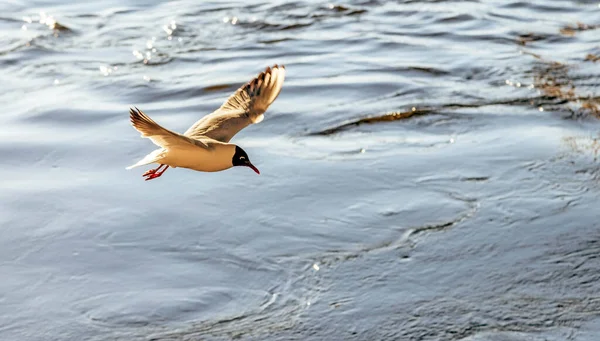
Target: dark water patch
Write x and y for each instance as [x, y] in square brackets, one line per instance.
[60, 27]
[218, 87]
[14, 46]
[371, 3]
[394, 116]
[473, 205]
[456, 18]
[281, 316]
[287, 6]
[266, 26]
[69, 117]
[152, 93]
[584, 144]
[526, 38]
[348, 11]
[209, 8]
[293, 26]
[429, 70]
[571, 30]
[401, 12]
[415, 112]
[541, 7]
[535, 39]
[29, 50]
[10, 20]
[275, 41]
[89, 15]
[557, 84]
[505, 313]
[475, 179]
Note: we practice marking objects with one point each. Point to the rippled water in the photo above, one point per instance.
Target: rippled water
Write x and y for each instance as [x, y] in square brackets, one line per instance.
[428, 172]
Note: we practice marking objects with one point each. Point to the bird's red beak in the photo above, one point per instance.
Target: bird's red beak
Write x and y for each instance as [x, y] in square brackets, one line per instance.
[253, 168]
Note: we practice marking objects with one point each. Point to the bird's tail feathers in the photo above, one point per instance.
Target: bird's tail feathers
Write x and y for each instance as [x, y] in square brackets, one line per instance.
[153, 157]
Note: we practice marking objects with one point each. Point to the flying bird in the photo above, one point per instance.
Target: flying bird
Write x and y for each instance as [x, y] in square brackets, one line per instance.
[205, 145]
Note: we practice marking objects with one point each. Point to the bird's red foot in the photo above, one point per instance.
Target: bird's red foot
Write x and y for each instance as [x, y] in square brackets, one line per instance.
[154, 173]
[149, 172]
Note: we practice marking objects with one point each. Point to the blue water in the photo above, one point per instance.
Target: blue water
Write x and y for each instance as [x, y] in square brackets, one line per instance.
[428, 172]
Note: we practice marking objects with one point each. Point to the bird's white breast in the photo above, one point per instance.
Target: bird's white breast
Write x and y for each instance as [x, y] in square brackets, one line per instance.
[205, 160]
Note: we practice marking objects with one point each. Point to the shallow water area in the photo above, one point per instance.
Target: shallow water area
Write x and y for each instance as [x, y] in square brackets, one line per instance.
[429, 172]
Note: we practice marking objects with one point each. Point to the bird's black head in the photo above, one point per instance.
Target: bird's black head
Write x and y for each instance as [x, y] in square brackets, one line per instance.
[240, 158]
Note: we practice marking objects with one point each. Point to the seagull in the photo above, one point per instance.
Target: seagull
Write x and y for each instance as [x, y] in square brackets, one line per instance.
[205, 145]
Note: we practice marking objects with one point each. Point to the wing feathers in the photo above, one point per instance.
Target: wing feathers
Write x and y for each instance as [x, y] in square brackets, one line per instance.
[244, 107]
[160, 136]
[144, 124]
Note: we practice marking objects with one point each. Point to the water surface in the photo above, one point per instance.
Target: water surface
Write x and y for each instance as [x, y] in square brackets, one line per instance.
[428, 172]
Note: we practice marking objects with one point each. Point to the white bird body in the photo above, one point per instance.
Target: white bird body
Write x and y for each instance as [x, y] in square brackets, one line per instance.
[205, 145]
[216, 157]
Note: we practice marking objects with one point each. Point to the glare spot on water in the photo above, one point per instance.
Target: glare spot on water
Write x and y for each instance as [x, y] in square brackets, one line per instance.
[147, 79]
[452, 140]
[173, 25]
[541, 109]
[149, 44]
[138, 54]
[24, 27]
[234, 20]
[47, 20]
[56, 82]
[107, 70]
[178, 39]
[147, 57]
[225, 19]
[414, 109]
[518, 85]
[316, 267]
[362, 150]
[27, 20]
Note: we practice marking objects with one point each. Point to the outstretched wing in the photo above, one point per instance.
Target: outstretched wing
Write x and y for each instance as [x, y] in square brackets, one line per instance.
[246, 106]
[160, 136]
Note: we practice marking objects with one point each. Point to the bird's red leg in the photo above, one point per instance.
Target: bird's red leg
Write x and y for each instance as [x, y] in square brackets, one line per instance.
[152, 171]
[156, 174]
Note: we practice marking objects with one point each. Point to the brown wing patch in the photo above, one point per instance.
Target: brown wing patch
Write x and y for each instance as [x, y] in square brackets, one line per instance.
[244, 107]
